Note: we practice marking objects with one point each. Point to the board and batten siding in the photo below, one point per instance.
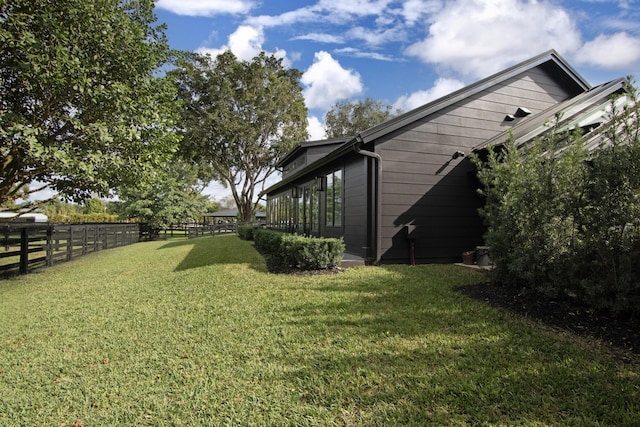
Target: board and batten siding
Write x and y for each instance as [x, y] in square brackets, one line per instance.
[423, 186]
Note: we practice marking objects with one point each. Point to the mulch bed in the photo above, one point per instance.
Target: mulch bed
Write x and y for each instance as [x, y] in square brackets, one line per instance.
[621, 335]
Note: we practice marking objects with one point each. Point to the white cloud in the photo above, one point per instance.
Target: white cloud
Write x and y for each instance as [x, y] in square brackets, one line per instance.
[305, 14]
[327, 81]
[354, 7]
[414, 10]
[620, 51]
[245, 43]
[315, 129]
[205, 7]
[441, 87]
[481, 37]
[326, 12]
[375, 37]
[357, 53]
[321, 38]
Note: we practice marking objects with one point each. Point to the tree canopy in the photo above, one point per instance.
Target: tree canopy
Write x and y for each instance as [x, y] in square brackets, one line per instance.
[350, 118]
[171, 197]
[240, 118]
[81, 109]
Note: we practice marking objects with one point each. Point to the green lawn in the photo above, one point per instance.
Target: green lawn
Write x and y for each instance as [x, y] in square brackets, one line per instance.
[199, 333]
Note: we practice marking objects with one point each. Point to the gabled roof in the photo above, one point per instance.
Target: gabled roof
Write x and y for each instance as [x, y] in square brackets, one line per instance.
[574, 83]
[570, 78]
[303, 146]
[584, 110]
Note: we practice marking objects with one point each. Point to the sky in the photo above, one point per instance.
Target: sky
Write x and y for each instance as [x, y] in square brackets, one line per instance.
[406, 53]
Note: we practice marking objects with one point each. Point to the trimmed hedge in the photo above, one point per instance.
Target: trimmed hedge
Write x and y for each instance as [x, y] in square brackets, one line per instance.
[245, 232]
[295, 251]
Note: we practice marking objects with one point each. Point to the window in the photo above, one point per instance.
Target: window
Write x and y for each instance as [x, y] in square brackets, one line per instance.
[315, 208]
[280, 211]
[334, 199]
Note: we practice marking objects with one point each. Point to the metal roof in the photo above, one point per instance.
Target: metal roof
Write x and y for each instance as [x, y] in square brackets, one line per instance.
[570, 78]
[584, 110]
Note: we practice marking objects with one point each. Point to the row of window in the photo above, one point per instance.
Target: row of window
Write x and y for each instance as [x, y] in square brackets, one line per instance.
[298, 211]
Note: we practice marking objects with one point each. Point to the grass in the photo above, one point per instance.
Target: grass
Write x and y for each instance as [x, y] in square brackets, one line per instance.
[199, 333]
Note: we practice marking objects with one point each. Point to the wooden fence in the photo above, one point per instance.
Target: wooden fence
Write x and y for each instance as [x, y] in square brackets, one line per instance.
[190, 231]
[27, 246]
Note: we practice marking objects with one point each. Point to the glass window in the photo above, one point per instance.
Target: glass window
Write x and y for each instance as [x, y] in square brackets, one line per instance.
[329, 193]
[334, 199]
[315, 208]
[337, 198]
[307, 209]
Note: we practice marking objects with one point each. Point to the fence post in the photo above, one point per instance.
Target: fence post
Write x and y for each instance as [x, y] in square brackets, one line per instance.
[70, 244]
[24, 250]
[50, 246]
[84, 240]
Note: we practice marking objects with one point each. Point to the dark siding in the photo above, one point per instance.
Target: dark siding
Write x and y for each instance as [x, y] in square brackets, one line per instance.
[355, 206]
[423, 186]
[315, 153]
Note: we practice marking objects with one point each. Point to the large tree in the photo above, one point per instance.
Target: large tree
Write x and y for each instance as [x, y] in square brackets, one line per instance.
[350, 118]
[240, 118]
[81, 108]
[172, 196]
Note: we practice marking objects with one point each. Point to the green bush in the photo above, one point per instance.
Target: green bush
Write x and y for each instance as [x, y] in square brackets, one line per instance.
[564, 221]
[300, 252]
[267, 241]
[245, 232]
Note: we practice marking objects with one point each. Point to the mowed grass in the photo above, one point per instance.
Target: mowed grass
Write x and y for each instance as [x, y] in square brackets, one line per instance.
[197, 332]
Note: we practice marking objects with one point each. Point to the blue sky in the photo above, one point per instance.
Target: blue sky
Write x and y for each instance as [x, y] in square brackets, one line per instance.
[406, 52]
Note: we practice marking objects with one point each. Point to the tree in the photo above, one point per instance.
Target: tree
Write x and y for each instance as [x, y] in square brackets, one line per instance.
[81, 110]
[350, 118]
[94, 206]
[240, 118]
[172, 197]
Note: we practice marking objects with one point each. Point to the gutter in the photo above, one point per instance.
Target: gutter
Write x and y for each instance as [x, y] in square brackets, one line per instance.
[376, 216]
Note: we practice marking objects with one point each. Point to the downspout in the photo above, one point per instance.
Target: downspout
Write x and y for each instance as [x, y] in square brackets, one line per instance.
[376, 217]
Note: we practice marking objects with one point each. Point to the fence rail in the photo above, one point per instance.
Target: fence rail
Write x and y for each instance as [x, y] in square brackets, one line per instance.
[29, 246]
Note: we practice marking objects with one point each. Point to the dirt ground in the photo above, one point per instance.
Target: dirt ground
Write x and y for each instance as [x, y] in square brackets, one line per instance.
[620, 335]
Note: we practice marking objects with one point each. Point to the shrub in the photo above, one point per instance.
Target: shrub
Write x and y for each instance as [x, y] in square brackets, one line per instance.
[245, 232]
[310, 253]
[563, 221]
[295, 251]
[267, 241]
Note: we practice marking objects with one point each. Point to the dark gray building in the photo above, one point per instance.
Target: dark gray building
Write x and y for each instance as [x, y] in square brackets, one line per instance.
[405, 189]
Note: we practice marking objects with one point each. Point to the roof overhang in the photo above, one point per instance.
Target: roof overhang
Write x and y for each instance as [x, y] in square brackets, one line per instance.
[587, 108]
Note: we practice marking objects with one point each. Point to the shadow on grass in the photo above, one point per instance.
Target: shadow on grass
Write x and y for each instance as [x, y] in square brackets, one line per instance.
[212, 250]
[428, 356]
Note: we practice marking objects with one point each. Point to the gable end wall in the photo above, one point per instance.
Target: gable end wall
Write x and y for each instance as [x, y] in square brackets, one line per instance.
[423, 186]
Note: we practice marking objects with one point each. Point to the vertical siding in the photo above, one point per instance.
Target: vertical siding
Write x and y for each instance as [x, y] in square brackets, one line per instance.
[424, 186]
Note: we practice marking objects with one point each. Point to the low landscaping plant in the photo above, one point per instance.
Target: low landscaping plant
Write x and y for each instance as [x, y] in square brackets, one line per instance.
[245, 232]
[311, 253]
[299, 252]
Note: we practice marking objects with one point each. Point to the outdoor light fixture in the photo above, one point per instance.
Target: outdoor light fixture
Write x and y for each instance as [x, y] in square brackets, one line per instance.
[509, 118]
